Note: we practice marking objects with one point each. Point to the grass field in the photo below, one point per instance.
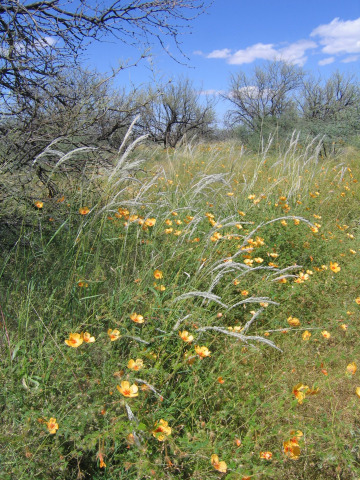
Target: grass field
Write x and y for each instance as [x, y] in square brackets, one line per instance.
[221, 284]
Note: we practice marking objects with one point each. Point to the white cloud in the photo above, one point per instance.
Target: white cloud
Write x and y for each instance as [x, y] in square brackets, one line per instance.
[326, 61]
[293, 53]
[212, 92]
[224, 53]
[250, 54]
[339, 36]
[352, 58]
[198, 52]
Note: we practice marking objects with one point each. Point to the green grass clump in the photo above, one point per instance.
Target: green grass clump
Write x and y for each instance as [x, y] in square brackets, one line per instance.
[212, 240]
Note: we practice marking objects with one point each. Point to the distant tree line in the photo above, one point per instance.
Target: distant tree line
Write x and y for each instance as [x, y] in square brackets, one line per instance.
[281, 96]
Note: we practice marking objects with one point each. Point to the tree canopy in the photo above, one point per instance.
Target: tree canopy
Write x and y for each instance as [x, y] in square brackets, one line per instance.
[38, 38]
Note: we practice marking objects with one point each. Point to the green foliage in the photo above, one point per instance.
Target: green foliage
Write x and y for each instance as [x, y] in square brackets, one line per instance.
[90, 273]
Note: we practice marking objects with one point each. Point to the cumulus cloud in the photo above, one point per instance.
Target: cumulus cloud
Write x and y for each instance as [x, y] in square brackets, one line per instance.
[198, 52]
[352, 58]
[326, 61]
[293, 53]
[224, 53]
[212, 92]
[249, 54]
[339, 36]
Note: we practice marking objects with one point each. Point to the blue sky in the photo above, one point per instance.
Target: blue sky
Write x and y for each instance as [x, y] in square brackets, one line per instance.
[320, 35]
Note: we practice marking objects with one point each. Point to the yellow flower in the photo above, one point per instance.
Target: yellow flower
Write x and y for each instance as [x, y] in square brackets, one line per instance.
[244, 293]
[248, 261]
[113, 334]
[88, 338]
[292, 449]
[258, 260]
[52, 426]
[351, 368]
[158, 274]
[39, 205]
[137, 318]
[326, 334]
[168, 222]
[75, 340]
[293, 321]
[357, 391]
[186, 336]
[162, 430]
[136, 365]
[168, 230]
[202, 351]
[357, 300]
[300, 391]
[335, 267]
[127, 390]
[306, 335]
[230, 194]
[219, 466]
[266, 455]
[251, 197]
[150, 222]
[283, 223]
[84, 210]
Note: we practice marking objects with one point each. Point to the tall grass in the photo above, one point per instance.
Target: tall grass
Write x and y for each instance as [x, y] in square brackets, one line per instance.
[211, 240]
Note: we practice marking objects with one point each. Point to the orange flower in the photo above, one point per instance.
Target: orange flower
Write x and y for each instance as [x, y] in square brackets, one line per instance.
[219, 466]
[150, 222]
[39, 204]
[74, 340]
[113, 334]
[158, 274]
[137, 318]
[88, 338]
[306, 335]
[335, 267]
[300, 391]
[292, 449]
[326, 334]
[202, 351]
[52, 426]
[136, 365]
[127, 390]
[186, 336]
[266, 455]
[162, 430]
[84, 210]
[293, 321]
[221, 380]
[351, 368]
